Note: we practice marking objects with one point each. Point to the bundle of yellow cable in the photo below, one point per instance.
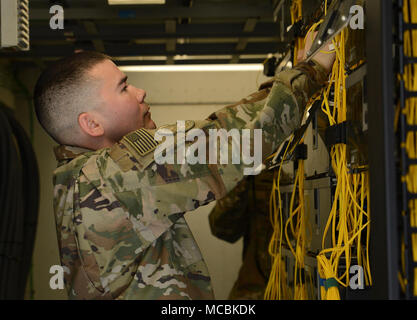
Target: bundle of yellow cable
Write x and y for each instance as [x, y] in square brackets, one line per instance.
[297, 223]
[348, 217]
[360, 213]
[299, 232]
[401, 273]
[327, 266]
[276, 288]
[410, 79]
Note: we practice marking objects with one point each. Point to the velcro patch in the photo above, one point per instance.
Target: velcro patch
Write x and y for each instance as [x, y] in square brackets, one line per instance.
[141, 141]
[169, 129]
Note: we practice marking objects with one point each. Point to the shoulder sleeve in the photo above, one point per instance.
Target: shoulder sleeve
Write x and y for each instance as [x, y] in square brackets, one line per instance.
[276, 110]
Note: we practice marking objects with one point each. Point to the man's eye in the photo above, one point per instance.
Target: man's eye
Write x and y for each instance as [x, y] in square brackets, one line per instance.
[125, 87]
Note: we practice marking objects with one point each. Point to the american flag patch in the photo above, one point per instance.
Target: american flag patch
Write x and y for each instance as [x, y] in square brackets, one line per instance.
[141, 141]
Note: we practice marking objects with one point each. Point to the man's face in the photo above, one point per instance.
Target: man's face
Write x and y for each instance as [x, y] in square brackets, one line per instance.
[123, 108]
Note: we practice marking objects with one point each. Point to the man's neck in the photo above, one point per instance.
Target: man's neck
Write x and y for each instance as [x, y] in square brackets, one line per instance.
[97, 144]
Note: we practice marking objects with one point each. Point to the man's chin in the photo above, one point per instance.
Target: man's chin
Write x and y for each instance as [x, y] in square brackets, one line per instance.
[151, 125]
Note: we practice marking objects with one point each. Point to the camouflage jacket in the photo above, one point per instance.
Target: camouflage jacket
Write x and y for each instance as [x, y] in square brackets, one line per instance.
[244, 212]
[119, 214]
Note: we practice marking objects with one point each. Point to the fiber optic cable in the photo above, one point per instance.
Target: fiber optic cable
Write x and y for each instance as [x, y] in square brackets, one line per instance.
[410, 144]
[348, 217]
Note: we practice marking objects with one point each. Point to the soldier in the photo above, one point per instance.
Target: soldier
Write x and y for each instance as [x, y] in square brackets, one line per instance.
[244, 212]
[119, 213]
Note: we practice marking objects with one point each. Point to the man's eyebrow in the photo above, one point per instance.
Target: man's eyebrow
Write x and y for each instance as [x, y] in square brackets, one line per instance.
[122, 81]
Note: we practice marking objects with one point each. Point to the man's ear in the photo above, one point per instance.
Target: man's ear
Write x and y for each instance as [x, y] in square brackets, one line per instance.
[90, 125]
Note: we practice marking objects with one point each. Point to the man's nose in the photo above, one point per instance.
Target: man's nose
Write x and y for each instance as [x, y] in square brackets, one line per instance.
[140, 94]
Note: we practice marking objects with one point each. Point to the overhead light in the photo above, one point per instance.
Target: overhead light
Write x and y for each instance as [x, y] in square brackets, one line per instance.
[140, 58]
[123, 2]
[182, 57]
[201, 57]
[253, 56]
[195, 67]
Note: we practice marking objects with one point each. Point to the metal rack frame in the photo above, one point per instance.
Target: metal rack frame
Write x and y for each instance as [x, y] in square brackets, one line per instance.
[384, 246]
[404, 129]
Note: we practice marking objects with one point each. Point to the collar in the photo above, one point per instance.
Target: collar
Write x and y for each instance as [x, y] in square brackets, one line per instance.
[63, 152]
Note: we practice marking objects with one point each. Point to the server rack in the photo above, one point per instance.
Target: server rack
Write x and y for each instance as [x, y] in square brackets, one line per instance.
[388, 163]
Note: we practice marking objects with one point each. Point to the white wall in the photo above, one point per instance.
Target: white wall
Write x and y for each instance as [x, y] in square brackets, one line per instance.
[172, 96]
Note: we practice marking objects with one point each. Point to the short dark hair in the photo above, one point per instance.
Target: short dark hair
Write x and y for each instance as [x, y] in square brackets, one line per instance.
[63, 91]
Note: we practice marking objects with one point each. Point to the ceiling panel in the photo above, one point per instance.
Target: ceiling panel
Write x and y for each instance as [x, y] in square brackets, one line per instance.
[212, 30]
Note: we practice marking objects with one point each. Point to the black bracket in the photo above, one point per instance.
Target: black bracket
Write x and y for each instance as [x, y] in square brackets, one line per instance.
[270, 66]
[337, 134]
[296, 30]
[300, 152]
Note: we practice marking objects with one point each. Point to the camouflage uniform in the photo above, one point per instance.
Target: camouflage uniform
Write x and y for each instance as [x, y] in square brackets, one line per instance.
[244, 212]
[119, 214]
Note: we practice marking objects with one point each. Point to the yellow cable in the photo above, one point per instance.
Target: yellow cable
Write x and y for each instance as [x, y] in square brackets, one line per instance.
[410, 145]
[275, 285]
[348, 217]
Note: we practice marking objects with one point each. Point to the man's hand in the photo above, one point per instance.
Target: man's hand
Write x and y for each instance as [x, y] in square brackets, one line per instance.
[325, 57]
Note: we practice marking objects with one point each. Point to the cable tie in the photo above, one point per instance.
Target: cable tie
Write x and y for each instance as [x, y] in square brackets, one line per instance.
[331, 282]
[410, 26]
[411, 161]
[412, 196]
[322, 282]
[410, 127]
[410, 60]
[410, 94]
